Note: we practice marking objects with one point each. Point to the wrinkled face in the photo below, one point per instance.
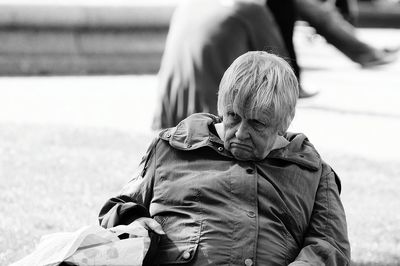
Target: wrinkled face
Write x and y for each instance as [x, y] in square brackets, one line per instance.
[248, 138]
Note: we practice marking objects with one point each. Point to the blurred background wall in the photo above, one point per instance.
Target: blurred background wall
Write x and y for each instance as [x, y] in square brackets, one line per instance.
[107, 37]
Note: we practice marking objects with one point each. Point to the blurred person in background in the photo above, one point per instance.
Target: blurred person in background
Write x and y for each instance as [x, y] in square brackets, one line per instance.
[205, 37]
[330, 24]
[238, 189]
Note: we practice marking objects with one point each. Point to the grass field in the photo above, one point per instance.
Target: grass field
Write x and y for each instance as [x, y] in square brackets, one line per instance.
[56, 179]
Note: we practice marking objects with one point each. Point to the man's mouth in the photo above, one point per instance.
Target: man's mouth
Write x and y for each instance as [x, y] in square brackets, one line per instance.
[241, 146]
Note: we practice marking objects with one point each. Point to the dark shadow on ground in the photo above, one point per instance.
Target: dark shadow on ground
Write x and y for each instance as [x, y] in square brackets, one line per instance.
[378, 14]
[318, 68]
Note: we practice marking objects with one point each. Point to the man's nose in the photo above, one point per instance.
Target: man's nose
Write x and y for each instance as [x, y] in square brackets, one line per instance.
[242, 131]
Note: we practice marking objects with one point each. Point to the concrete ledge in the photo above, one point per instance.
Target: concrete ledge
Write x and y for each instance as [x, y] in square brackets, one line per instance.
[77, 51]
[87, 17]
[74, 40]
[136, 63]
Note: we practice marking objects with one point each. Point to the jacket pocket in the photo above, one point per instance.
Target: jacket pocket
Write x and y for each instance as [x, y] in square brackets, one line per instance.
[292, 247]
[175, 252]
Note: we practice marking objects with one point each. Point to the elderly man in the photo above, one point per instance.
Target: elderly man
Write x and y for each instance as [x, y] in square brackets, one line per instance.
[238, 189]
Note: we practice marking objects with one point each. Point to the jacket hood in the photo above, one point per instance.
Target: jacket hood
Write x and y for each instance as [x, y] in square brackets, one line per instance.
[193, 133]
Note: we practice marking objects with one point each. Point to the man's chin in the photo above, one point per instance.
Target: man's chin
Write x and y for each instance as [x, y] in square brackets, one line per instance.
[242, 155]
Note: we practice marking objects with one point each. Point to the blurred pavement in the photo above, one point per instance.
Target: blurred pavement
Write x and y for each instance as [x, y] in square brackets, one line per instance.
[357, 110]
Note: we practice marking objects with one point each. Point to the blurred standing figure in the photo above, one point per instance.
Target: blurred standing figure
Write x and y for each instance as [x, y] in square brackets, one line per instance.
[347, 8]
[330, 24]
[205, 37]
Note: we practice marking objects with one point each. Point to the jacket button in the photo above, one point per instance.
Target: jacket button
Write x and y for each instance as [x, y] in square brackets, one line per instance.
[220, 149]
[168, 135]
[251, 214]
[249, 171]
[186, 255]
[248, 262]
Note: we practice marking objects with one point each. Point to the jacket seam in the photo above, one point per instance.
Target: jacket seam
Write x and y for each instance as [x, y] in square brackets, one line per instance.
[231, 259]
[329, 214]
[327, 202]
[257, 220]
[154, 170]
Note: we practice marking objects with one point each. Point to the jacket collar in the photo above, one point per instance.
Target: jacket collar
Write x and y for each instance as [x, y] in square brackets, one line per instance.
[193, 133]
[299, 151]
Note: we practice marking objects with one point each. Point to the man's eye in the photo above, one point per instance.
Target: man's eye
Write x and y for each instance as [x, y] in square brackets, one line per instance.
[233, 117]
[258, 124]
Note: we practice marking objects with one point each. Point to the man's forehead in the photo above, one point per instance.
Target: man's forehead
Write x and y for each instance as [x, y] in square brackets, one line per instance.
[258, 113]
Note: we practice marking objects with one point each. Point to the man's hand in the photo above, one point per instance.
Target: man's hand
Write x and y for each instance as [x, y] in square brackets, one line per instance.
[150, 224]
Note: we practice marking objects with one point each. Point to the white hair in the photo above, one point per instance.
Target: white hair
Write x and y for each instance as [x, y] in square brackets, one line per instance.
[257, 82]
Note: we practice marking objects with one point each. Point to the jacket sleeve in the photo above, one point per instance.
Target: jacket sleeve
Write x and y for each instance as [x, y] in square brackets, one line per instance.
[326, 241]
[134, 200]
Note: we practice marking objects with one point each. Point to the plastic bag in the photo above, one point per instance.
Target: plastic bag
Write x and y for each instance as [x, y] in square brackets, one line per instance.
[91, 245]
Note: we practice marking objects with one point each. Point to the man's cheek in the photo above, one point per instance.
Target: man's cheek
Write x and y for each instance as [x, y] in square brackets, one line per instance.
[229, 134]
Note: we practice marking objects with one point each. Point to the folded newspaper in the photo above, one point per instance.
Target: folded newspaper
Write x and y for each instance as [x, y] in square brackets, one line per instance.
[91, 245]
